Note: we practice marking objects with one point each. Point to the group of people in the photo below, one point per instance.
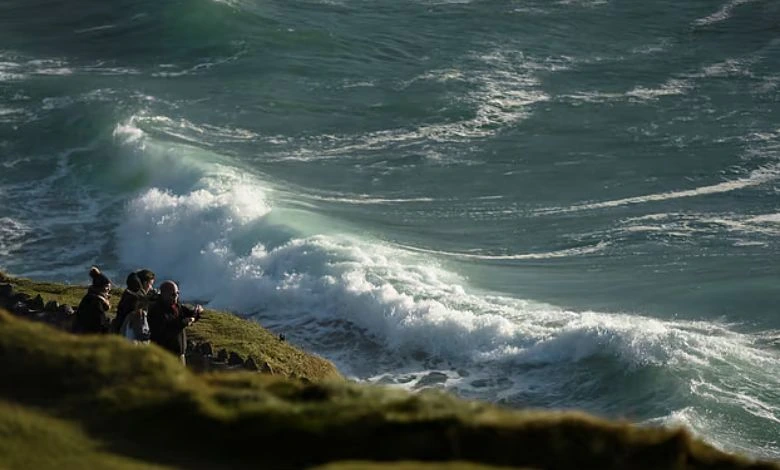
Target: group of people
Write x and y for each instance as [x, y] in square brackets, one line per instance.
[143, 314]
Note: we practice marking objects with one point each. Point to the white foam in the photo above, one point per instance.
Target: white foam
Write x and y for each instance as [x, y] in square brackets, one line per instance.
[10, 71]
[365, 199]
[565, 253]
[671, 87]
[722, 14]
[698, 225]
[213, 230]
[765, 218]
[503, 87]
[583, 3]
[756, 178]
[400, 301]
[128, 132]
[202, 66]
[95, 28]
[179, 167]
[728, 68]
[11, 234]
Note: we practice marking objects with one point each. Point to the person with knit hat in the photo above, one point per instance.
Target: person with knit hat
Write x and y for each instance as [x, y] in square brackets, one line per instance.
[91, 315]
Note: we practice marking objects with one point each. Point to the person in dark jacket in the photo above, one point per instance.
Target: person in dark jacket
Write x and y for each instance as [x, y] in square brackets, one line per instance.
[168, 319]
[91, 313]
[139, 285]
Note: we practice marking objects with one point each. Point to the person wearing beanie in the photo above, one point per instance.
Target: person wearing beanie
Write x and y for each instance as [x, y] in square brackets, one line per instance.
[91, 315]
[139, 284]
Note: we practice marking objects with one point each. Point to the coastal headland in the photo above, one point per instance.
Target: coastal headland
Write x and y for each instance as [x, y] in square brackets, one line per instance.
[255, 401]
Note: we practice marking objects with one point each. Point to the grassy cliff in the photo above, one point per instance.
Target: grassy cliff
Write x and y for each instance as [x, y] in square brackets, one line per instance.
[220, 329]
[100, 402]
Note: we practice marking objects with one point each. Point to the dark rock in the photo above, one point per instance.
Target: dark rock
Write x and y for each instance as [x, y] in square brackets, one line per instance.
[36, 303]
[52, 306]
[64, 322]
[480, 383]
[282, 337]
[250, 364]
[222, 355]
[20, 297]
[198, 363]
[20, 308]
[205, 349]
[66, 310]
[266, 367]
[432, 379]
[463, 372]
[6, 290]
[234, 359]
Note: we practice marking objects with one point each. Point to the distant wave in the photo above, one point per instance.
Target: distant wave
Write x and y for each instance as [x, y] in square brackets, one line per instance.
[756, 178]
[577, 251]
[761, 229]
[14, 67]
[366, 199]
[722, 14]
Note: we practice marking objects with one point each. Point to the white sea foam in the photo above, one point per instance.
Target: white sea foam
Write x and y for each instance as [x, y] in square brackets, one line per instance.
[222, 241]
[127, 132]
[722, 14]
[756, 178]
[729, 68]
[16, 67]
[379, 311]
[504, 89]
[760, 229]
[670, 88]
[214, 230]
[365, 199]
[201, 67]
[565, 253]
[93, 29]
[12, 233]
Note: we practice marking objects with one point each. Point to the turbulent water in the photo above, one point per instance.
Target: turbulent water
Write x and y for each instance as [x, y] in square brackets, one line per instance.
[543, 204]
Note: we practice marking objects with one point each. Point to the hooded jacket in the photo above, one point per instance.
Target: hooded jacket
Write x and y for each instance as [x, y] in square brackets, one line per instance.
[91, 313]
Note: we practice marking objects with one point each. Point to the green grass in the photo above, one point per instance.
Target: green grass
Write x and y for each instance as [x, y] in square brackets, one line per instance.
[62, 293]
[138, 405]
[31, 439]
[248, 339]
[221, 329]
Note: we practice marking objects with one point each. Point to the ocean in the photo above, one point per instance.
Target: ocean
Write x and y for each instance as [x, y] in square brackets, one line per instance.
[547, 204]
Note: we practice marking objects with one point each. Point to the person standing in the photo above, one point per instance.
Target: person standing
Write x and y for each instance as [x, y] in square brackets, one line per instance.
[168, 319]
[139, 285]
[91, 315]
